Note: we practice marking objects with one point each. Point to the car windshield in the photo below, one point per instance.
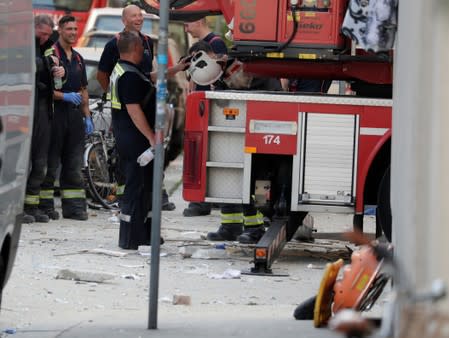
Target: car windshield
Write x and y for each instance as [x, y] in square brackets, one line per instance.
[68, 5]
[93, 88]
[98, 41]
[113, 23]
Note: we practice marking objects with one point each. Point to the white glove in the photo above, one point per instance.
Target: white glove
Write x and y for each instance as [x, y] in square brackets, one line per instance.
[146, 157]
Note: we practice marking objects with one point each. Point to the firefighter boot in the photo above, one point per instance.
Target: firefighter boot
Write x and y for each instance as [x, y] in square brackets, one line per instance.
[79, 215]
[38, 215]
[27, 218]
[251, 235]
[197, 209]
[226, 232]
[51, 213]
[166, 204]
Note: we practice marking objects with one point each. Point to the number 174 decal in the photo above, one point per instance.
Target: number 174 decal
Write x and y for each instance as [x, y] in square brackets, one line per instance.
[272, 139]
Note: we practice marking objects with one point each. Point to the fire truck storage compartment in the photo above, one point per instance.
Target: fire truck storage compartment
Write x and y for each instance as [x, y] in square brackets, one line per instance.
[327, 164]
[227, 165]
[270, 22]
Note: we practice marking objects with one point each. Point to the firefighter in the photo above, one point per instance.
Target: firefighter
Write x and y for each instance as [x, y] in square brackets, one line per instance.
[133, 118]
[243, 222]
[132, 18]
[200, 30]
[68, 129]
[46, 69]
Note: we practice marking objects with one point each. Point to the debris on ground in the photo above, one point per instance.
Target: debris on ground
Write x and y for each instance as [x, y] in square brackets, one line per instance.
[227, 274]
[181, 300]
[85, 276]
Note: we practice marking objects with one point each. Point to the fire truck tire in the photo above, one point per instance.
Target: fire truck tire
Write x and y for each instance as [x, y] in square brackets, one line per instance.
[383, 210]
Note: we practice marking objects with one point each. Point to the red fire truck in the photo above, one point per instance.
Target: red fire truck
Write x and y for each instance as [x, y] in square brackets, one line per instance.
[314, 152]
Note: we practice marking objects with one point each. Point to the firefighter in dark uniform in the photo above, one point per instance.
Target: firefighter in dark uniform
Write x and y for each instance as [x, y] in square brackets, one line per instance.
[242, 222]
[132, 18]
[68, 129]
[133, 117]
[46, 69]
[200, 30]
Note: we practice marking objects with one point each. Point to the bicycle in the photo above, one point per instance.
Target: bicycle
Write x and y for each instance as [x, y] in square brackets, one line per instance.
[101, 160]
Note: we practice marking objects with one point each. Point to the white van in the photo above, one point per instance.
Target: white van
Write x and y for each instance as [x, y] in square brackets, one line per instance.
[17, 73]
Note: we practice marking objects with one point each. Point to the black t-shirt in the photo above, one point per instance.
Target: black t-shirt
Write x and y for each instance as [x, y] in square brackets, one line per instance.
[75, 68]
[216, 43]
[132, 89]
[110, 56]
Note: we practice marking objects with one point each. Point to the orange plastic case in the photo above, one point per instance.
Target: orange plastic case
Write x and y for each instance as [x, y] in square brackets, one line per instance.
[357, 279]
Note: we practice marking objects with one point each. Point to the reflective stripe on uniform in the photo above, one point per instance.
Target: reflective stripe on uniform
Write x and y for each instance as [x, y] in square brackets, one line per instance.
[254, 220]
[47, 194]
[32, 199]
[232, 218]
[124, 217]
[120, 190]
[73, 193]
[116, 73]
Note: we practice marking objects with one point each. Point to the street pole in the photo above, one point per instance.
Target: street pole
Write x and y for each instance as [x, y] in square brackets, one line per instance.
[161, 93]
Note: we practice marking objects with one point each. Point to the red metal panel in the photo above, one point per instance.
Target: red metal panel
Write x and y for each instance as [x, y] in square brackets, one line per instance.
[255, 20]
[369, 145]
[271, 143]
[197, 118]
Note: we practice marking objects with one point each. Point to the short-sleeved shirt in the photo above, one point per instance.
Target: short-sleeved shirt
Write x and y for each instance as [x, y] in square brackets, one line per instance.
[132, 89]
[75, 68]
[110, 55]
[217, 44]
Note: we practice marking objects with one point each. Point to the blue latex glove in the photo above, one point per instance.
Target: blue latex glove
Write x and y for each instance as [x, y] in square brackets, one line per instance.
[72, 97]
[89, 125]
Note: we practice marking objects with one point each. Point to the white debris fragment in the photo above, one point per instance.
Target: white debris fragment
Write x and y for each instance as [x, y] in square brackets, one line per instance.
[108, 252]
[114, 219]
[85, 276]
[210, 254]
[227, 274]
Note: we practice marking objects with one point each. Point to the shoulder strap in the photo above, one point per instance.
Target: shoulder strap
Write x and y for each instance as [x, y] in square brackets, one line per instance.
[215, 38]
[55, 48]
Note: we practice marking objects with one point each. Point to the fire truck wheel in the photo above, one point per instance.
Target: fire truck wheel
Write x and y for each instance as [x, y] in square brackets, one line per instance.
[383, 211]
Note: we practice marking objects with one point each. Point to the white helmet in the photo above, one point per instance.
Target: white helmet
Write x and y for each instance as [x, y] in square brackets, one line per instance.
[204, 70]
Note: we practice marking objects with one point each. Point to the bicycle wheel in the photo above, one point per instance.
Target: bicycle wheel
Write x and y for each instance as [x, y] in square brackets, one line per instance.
[100, 177]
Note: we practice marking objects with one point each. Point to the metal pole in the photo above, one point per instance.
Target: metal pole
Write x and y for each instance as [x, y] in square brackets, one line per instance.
[161, 92]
